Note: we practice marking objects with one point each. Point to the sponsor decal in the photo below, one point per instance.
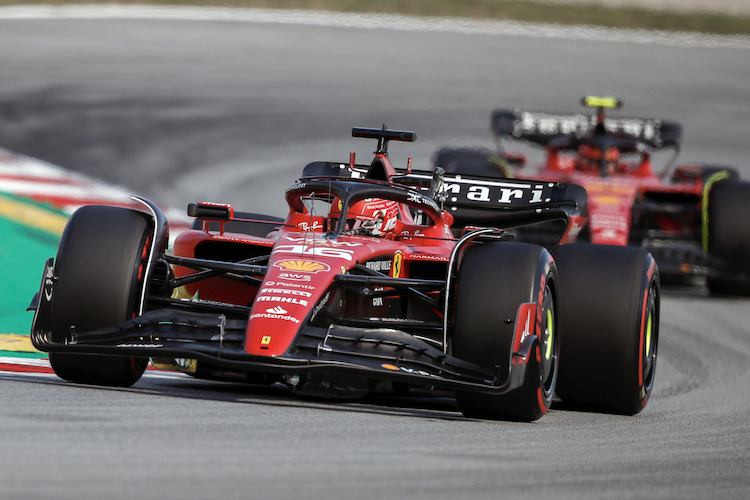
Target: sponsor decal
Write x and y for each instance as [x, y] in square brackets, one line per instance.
[304, 266]
[225, 237]
[378, 301]
[379, 265]
[286, 291]
[608, 200]
[608, 226]
[397, 264]
[526, 331]
[48, 283]
[320, 305]
[417, 233]
[292, 285]
[277, 312]
[321, 240]
[413, 197]
[295, 277]
[611, 187]
[531, 122]
[526, 325]
[144, 346]
[285, 300]
[316, 251]
[575, 228]
[435, 258]
[306, 226]
[497, 192]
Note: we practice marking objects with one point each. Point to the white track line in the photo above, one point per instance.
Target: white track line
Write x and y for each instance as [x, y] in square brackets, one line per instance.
[27, 177]
[373, 21]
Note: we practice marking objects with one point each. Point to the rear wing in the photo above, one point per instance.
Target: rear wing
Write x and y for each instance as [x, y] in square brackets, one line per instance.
[458, 191]
[541, 128]
[555, 208]
[503, 203]
[472, 195]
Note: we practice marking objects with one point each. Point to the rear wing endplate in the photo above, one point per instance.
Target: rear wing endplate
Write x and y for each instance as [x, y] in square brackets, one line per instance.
[540, 128]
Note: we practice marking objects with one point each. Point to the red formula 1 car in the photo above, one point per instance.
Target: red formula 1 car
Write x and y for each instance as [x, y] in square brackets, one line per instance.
[363, 288]
[692, 218]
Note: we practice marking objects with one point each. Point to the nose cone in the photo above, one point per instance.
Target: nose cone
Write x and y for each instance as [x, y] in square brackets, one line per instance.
[290, 290]
[610, 209]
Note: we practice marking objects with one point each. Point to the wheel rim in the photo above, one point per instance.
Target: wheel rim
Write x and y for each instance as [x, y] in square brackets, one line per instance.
[650, 342]
[549, 348]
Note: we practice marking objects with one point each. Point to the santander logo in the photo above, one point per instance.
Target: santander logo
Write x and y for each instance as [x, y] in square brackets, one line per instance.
[277, 312]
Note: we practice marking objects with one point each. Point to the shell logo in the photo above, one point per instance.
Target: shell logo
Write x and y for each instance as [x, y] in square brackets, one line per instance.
[304, 266]
[607, 200]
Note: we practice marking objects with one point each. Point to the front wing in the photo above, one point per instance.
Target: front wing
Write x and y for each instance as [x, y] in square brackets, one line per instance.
[376, 353]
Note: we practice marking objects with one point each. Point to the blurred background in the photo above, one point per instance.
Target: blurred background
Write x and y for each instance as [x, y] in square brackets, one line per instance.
[213, 103]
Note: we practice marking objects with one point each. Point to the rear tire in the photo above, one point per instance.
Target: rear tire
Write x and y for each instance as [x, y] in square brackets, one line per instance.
[493, 280]
[99, 274]
[609, 320]
[471, 161]
[728, 237]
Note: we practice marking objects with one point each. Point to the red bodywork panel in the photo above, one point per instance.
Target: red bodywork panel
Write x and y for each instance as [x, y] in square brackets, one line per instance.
[611, 198]
[301, 267]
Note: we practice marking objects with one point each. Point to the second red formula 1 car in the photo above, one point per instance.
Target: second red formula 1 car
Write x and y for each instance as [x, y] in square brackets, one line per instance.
[377, 280]
[692, 218]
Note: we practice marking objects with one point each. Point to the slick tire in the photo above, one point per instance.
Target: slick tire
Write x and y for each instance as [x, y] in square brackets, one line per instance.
[608, 305]
[493, 280]
[471, 161]
[728, 235]
[99, 272]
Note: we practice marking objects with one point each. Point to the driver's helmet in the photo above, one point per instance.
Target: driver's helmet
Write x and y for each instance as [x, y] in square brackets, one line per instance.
[368, 217]
[590, 159]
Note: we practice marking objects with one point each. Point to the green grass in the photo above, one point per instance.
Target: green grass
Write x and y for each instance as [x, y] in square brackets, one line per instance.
[518, 10]
[23, 251]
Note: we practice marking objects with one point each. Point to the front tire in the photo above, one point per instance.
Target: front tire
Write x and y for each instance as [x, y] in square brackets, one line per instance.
[494, 279]
[99, 273]
[609, 317]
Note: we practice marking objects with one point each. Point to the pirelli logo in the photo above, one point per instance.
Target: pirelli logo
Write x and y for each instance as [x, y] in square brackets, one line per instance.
[458, 190]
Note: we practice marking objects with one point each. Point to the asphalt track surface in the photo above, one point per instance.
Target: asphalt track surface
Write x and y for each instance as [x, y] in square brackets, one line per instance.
[230, 111]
